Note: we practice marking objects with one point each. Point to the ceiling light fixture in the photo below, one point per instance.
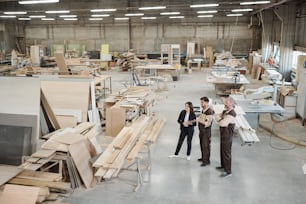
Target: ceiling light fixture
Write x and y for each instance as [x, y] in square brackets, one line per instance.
[37, 16]
[24, 19]
[254, 2]
[7, 16]
[60, 11]
[102, 10]
[148, 18]
[152, 8]
[235, 14]
[203, 5]
[134, 14]
[121, 19]
[100, 15]
[170, 13]
[205, 16]
[176, 17]
[212, 11]
[38, 2]
[14, 12]
[241, 10]
[95, 19]
[47, 19]
[70, 19]
[68, 16]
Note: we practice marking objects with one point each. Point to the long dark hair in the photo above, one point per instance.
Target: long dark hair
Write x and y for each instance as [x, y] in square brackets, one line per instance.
[190, 106]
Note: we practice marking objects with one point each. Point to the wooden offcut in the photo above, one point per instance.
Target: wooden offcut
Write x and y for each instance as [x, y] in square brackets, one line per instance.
[39, 175]
[7, 172]
[43, 153]
[17, 194]
[81, 157]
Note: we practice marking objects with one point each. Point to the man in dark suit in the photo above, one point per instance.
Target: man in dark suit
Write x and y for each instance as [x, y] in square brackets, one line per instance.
[204, 122]
[226, 121]
[187, 121]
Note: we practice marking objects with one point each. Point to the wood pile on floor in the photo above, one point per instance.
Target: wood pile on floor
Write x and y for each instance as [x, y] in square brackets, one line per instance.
[125, 61]
[62, 164]
[126, 145]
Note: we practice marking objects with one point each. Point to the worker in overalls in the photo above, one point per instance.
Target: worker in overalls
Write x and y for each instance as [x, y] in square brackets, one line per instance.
[226, 121]
[205, 121]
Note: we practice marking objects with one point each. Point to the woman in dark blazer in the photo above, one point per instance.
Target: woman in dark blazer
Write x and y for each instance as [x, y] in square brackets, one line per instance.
[187, 121]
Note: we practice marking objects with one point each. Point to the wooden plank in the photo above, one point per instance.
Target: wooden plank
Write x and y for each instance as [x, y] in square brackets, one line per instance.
[52, 144]
[33, 159]
[115, 120]
[30, 182]
[101, 172]
[43, 153]
[68, 138]
[120, 144]
[81, 157]
[65, 121]
[84, 127]
[7, 172]
[61, 63]
[113, 156]
[73, 95]
[16, 194]
[49, 110]
[39, 175]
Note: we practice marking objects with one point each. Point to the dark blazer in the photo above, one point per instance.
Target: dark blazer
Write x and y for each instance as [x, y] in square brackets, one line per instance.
[192, 117]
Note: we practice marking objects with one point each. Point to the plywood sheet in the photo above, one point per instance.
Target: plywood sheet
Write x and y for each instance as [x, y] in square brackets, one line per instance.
[7, 172]
[43, 153]
[67, 95]
[16, 194]
[81, 157]
[39, 175]
[65, 121]
[60, 61]
[68, 138]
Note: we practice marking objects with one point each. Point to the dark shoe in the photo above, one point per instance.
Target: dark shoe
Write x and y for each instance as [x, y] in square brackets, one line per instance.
[219, 168]
[204, 164]
[225, 174]
[200, 160]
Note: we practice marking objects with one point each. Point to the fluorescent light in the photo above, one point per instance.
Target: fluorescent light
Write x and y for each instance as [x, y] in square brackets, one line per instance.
[121, 19]
[37, 16]
[205, 16]
[211, 11]
[95, 19]
[235, 14]
[152, 8]
[254, 2]
[7, 16]
[68, 16]
[70, 19]
[60, 11]
[38, 2]
[24, 19]
[170, 13]
[14, 12]
[148, 18]
[176, 16]
[47, 19]
[134, 14]
[241, 10]
[100, 15]
[203, 5]
[103, 10]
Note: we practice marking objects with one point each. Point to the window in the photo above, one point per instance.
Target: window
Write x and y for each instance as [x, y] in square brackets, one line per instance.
[295, 57]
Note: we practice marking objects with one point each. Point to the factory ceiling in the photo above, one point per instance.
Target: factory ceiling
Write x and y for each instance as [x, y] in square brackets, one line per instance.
[110, 11]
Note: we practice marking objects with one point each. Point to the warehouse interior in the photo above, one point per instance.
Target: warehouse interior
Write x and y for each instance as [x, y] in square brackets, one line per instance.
[92, 92]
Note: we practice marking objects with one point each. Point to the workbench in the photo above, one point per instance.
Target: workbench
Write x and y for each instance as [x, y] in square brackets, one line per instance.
[223, 85]
[155, 69]
[253, 109]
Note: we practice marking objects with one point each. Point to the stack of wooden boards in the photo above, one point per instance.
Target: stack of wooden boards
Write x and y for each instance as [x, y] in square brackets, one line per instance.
[128, 104]
[127, 145]
[63, 162]
[125, 61]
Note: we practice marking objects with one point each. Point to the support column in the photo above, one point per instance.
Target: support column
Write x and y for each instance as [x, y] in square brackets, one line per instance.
[266, 19]
[288, 14]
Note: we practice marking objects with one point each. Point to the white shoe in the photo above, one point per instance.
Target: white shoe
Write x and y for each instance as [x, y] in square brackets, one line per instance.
[188, 158]
[173, 156]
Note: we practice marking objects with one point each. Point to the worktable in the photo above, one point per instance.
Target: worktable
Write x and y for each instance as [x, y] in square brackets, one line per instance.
[253, 109]
[224, 84]
[153, 69]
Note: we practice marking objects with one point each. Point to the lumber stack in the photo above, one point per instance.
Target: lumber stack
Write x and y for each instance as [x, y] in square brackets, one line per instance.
[68, 152]
[126, 145]
[125, 61]
[246, 133]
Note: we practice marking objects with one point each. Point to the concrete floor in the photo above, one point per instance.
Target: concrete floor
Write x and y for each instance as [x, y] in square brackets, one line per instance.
[261, 174]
